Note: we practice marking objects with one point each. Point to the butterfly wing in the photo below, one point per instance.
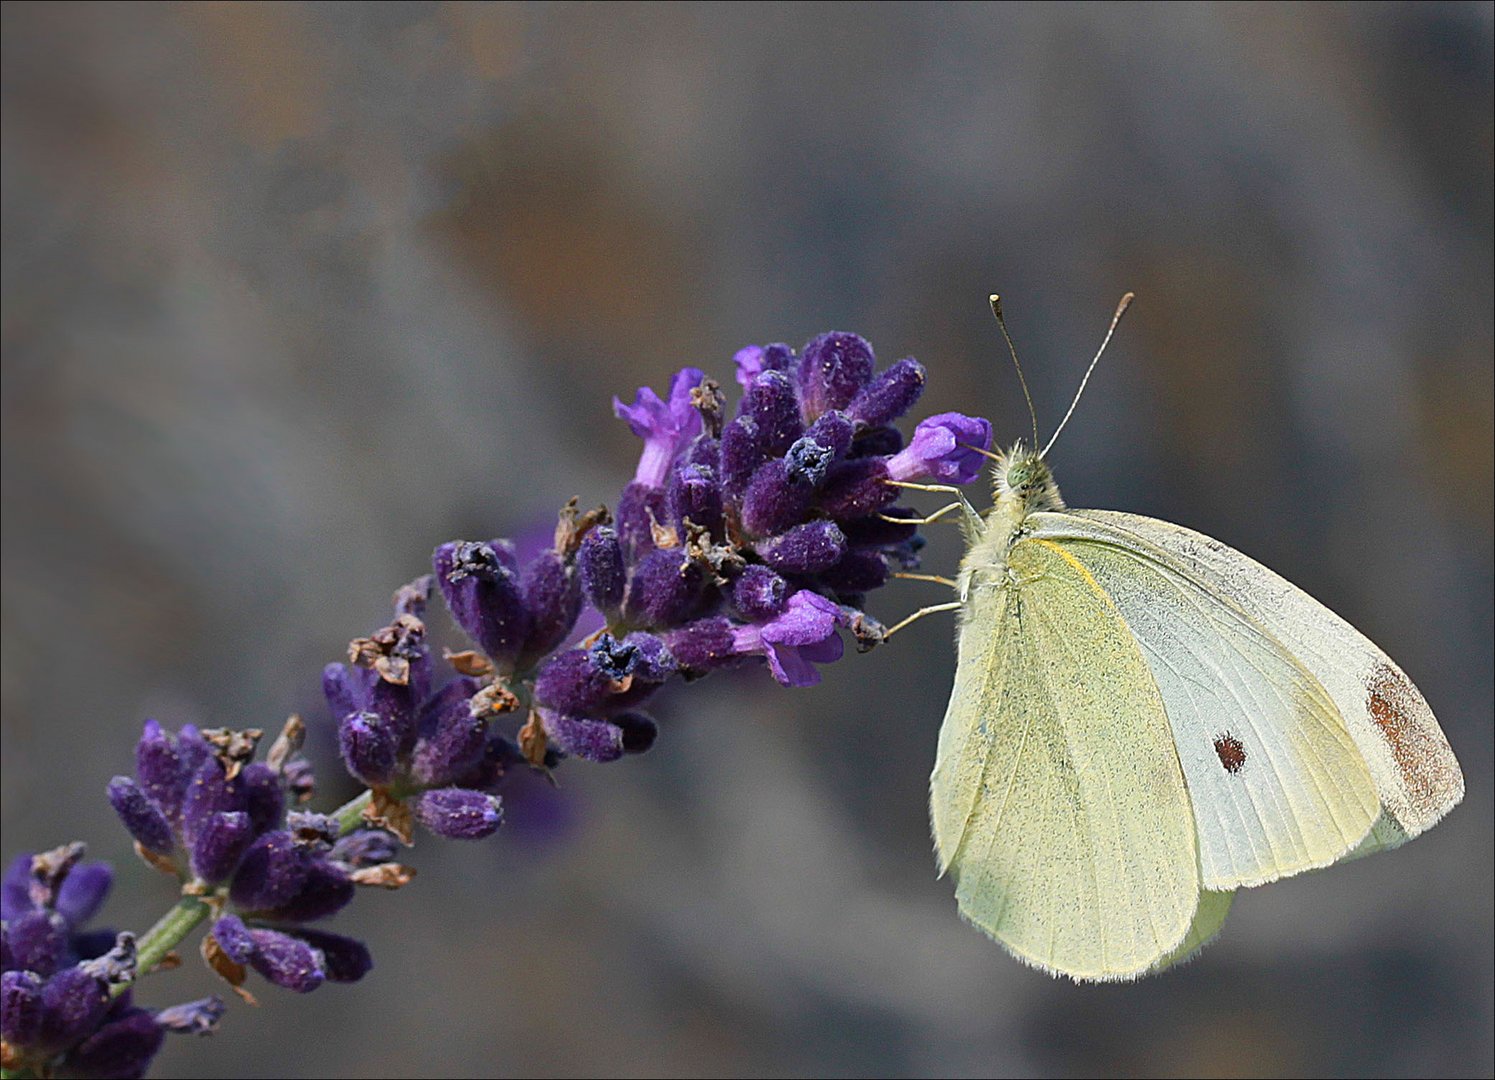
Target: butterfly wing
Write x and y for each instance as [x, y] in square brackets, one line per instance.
[1411, 768]
[1057, 800]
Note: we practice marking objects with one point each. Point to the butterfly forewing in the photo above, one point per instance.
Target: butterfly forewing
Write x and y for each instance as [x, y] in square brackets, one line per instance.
[1057, 798]
[1276, 782]
[1416, 776]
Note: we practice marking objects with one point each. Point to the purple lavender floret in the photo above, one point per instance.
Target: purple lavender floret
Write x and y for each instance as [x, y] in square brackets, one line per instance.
[62, 1011]
[666, 426]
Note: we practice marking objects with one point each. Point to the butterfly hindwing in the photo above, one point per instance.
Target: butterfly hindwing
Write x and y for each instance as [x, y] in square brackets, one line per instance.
[1057, 799]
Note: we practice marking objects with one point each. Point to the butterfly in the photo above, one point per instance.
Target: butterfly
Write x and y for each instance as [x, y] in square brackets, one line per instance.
[1145, 720]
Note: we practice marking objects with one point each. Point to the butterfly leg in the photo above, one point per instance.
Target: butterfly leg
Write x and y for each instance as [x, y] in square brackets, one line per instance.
[951, 606]
[907, 576]
[930, 520]
[950, 488]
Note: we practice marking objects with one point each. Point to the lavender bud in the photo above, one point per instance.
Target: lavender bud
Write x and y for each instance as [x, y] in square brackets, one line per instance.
[234, 939]
[369, 748]
[804, 549]
[639, 731]
[833, 431]
[639, 507]
[124, 1046]
[163, 772]
[578, 679]
[483, 594]
[702, 646]
[856, 488]
[873, 531]
[271, 873]
[140, 816]
[759, 593]
[832, 371]
[652, 661]
[343, 959]
[552, 593]
[325, 890]
[73, 1002]
[695, 496]
[286, 961]
[594, 740]
[667, 588]
[263, 799]
[771, 404]
[458, 813]
[742, 454]
[877, 442]
[775, 499]
[860, 571]
[452, 739]
[37, 940]
[889, 395]
[20, 1007]
[753, 360]
[210, 792]
[603, 573]
[220, 844]
[198, 1017]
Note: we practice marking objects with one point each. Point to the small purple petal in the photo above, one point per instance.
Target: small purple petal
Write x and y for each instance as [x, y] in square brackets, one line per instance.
[140, 816]
[804, 549]
[458, 813]
[20, 1007]
[594, 740]
[665, 426]
[832, 371]
[38, 940]
[123, 1047]
[749, 361]
[219, 845]
[198, 1017]
[889, 395]
[83, 891]
[807, 618]
[365, 847]
[945, 448]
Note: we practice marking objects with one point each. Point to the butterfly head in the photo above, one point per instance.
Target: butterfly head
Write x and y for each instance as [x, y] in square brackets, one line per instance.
[1021, 477]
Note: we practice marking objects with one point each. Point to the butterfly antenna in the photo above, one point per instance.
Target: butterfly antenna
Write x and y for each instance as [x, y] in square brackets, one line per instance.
[996, 309]
[1126, 302]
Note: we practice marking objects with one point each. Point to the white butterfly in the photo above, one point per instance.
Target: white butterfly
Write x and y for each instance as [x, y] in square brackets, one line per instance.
[1144, 720]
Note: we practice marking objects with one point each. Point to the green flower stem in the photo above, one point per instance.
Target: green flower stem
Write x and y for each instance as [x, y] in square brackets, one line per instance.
[187, 915]
[349, 816]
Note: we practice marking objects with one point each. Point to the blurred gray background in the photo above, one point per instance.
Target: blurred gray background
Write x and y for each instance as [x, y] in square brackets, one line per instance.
[293, 292]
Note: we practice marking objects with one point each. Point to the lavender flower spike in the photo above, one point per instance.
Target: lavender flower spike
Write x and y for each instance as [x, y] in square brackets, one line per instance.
[665, 426]
[941, 449]
[803, 632]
